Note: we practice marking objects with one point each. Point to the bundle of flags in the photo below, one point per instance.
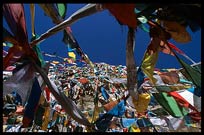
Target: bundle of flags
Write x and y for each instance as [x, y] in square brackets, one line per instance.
[177, 99]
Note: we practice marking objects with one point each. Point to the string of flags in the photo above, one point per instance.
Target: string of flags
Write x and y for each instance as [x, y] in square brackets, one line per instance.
[41, 96]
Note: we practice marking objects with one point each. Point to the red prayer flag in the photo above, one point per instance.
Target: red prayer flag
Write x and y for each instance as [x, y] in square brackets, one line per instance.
[181, 101]
[15, 17]
[124, 13]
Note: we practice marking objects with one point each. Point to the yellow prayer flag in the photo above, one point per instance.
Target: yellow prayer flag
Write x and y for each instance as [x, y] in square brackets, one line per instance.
[46, 118]
[134, 128]
[95, 113]
[72, 55]
[4, 44]
[150, 58]
[142, 103]
[55, 62]
[148, 65]
[179, 87]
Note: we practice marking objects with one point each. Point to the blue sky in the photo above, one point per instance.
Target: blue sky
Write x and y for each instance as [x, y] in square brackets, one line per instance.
[104, 40]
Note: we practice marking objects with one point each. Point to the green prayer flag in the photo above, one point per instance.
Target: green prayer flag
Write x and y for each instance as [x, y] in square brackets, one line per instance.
[62, 9]
[37, 49]
[192, 74]
[170, 104]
